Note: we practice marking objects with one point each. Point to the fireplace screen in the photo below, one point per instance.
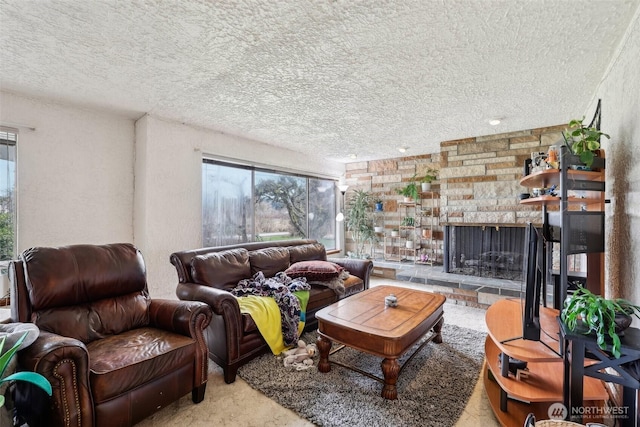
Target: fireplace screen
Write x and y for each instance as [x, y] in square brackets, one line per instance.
[485, 251]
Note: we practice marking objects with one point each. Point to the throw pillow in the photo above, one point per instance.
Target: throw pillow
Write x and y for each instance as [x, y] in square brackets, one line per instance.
[315, 270]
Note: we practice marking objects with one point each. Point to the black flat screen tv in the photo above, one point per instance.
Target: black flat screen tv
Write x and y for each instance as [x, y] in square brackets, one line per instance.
[533, 271]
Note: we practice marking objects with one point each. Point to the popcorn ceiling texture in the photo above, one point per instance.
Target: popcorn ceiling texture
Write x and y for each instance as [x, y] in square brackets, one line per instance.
[326, 78]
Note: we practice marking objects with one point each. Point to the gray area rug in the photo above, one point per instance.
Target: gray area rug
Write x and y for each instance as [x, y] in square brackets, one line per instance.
[433, 388]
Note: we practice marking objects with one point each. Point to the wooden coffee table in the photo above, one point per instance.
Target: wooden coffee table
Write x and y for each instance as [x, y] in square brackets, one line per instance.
[363, 322]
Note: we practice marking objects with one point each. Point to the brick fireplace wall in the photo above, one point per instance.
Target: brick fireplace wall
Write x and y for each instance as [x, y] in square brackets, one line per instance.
[478, 179]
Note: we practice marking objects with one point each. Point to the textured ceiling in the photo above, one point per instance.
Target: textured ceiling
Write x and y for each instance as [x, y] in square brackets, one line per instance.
[328, 78]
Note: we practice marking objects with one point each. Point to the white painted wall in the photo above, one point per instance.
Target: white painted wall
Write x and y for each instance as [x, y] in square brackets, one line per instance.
[168, 206]
[76, 179]
[620, 94]
[75, 173]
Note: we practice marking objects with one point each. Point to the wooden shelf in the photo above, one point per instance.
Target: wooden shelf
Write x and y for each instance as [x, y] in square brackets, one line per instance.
[553, 200]
[518, 411]
[544, 385]
[540, 200]
[504, 322]
[549, 177]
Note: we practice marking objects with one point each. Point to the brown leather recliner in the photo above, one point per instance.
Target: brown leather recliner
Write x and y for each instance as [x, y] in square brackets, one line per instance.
[112, 354]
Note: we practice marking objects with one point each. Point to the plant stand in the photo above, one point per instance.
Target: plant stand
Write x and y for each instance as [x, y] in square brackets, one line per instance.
[577, 348]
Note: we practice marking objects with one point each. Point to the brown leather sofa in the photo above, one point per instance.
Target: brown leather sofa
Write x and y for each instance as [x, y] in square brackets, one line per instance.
[112, 354]
[208, 274]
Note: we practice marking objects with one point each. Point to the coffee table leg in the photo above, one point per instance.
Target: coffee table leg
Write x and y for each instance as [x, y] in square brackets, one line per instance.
[438, 331]
[324, 346]
[390, 369]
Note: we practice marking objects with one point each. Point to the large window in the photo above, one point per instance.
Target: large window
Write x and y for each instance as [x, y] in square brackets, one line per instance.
[244, 204]
[7, 195]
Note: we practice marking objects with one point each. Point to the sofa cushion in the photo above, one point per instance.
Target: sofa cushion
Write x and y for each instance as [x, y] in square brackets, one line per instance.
[221, 270]
[310, 252]
[80, 274]
[352, 285]
[96, 320]
[143, 355]
[85, 284]
[320, 297]
[315, 270]
[269, 260]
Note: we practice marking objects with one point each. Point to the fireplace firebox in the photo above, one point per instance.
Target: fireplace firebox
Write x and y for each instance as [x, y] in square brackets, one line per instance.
[484, 250]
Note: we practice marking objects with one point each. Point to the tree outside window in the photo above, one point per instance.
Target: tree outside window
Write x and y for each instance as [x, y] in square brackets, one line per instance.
[280, 203]
[278, 206]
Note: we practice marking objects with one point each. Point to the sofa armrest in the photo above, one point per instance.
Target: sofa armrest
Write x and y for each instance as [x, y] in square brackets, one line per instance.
[226, 317]
[361, 268]
[187, 318]
[222, 302]
[64, 362]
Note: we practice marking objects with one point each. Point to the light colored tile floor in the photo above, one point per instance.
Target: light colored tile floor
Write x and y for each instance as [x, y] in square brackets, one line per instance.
[238, 404]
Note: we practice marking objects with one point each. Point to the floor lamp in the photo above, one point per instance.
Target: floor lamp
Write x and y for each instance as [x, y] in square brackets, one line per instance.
[343, 190]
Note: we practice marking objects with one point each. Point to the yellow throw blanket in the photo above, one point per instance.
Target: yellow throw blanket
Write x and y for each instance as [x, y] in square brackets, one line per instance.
[265, 312]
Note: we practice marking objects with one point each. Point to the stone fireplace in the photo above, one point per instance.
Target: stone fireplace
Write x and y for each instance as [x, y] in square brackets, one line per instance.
[476, 194]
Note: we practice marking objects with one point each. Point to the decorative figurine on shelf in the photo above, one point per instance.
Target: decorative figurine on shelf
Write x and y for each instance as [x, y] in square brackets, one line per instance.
[552, 157]
[538, 161]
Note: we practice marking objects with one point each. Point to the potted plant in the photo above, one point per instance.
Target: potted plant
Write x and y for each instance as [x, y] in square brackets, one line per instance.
[584, 312]
[378, 204]
[583, 141]
[430, 175]
[410, 191]
[395, 232]
[407, 221]
[5, 359]
[358, 222]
